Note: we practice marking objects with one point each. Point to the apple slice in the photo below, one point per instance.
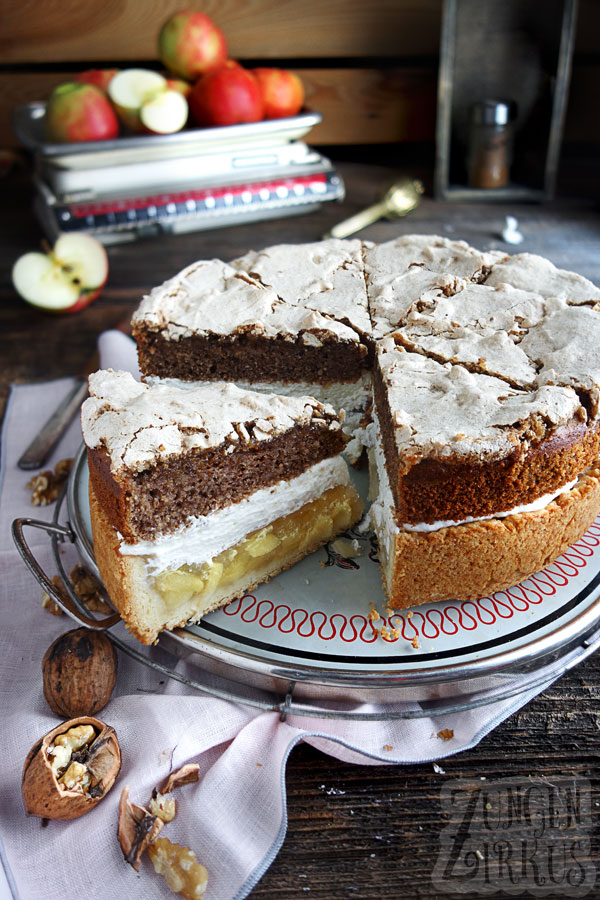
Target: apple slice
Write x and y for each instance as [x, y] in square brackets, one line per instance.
[165, 113]
[130, 90]
[65, 280]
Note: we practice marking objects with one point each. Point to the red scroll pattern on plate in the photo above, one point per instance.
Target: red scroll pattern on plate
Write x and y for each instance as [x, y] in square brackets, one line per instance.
[425, 622]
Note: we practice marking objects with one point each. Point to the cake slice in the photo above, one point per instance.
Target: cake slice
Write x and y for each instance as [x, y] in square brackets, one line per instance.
[200, 492]
[479, 484]
[292, 319]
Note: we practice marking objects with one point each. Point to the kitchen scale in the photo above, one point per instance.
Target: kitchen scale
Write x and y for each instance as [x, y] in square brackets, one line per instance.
[309, 643]
[143, 185]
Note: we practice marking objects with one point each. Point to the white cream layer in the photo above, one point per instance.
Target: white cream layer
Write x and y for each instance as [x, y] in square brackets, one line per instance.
[204, 537]
[382, 509]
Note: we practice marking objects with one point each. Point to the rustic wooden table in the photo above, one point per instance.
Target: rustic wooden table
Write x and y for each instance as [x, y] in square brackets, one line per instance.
[368, 831]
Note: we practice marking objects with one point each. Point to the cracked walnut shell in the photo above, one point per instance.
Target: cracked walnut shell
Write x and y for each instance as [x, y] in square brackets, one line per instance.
[70, 769]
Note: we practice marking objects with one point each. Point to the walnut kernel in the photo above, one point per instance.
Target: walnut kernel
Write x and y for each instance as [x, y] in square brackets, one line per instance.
[179, 867]
[47, 485]
[47, 601]
[163, 806]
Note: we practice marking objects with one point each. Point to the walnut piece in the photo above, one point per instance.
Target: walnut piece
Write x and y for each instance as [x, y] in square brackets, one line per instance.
[88, 589]
[47, 601]
[47, 485]
[179, 867]
[163, 806]
[137, 829]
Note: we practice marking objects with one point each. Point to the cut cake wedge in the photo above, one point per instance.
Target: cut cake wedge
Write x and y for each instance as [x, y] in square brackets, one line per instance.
[199, 493]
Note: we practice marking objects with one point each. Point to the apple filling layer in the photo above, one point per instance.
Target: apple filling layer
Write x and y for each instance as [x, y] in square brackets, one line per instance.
[260, 555]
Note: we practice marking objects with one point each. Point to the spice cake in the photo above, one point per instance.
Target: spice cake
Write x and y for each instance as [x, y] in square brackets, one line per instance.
[199, 493]
[486, 386]
[292, 319]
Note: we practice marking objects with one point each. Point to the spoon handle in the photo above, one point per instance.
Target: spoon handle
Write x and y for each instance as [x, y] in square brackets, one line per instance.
[359, 220]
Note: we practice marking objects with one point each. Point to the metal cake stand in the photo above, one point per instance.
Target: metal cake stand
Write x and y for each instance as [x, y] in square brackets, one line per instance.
[260, 650]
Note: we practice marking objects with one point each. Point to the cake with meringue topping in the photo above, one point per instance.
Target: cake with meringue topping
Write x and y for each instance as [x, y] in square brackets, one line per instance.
[480, 369]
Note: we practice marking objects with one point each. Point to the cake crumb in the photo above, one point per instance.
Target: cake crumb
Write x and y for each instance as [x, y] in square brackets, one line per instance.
[259, 764]
[446, 734]
[387, 747]
[409, 614]
[373, 615]
[415, 642]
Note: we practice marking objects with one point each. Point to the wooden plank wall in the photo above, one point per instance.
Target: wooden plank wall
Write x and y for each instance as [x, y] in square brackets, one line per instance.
[369, 68]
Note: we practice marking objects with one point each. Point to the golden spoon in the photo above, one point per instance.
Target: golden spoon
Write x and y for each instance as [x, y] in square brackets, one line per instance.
[399, 199]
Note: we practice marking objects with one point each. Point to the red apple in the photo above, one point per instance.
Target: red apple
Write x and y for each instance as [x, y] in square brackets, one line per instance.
[282, 92]
[190, 44]
[228, 96]
[80, 112]
[65, 280]
[100, 78]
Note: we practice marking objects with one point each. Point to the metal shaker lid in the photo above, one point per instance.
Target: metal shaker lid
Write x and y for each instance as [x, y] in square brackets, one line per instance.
[493, 112]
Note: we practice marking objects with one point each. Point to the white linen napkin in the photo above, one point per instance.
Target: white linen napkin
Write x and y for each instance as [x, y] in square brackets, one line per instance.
[234, 819]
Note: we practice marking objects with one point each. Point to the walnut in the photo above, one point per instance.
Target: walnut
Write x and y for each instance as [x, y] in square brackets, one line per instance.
[162, 804]
[47, 601]
[47, 485]
[179, 867]
[138, 827]
[79, 672]
[70, 769]
[88, 590]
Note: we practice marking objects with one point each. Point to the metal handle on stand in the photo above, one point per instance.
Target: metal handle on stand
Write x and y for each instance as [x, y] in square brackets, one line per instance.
[64, 602]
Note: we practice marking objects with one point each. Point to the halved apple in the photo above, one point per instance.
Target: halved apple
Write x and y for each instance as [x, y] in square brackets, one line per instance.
[65, 280]
[166, 113]
[144, 102]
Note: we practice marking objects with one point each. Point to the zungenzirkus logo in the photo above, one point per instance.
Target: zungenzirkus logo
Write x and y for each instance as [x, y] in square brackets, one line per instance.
[525, 837]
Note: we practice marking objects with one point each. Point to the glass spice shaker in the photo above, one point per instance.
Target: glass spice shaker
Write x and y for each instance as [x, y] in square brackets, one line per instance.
[491, 132]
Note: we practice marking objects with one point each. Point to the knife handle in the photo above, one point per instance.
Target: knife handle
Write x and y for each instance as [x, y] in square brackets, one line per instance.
[42, 445]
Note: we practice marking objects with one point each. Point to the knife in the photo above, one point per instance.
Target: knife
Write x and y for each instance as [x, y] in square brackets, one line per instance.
[46, 439]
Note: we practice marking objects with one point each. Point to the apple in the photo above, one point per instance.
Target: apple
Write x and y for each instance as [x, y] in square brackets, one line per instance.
[282, 92]
[79, 112]
[227, 96]
[190, 45]
[100, 78]
[176, 84]
[67, 278]
[166, 113]
[145, 103]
